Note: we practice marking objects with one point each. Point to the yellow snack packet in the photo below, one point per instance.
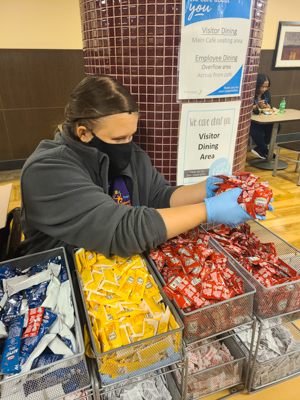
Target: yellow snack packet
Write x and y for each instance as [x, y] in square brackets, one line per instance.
[121, 269]
[172, 323]
[103, 340]
[153, 348]
[137, 319]
[87, 344]
[127, 286]
[138, 263]
[153, 322]
[105, 262]
[80, 255]
[95, 334]
[164, 322]
[78, 263]
[86, 277]
[137, 330]
[90, 258]
[148, 330]
[149, 304]
[124, 335]
[151, 288]
[112, 333]
[138, 290]
[97, 278]
[158, 298]
[106, 300]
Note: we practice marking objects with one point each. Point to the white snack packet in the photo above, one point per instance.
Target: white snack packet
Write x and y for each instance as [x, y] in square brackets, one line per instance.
[58, 347]
[52, 293]
[24, 310]
[3, 333]
[56, 327]
[40, 347]
[68, 338]
[15, 285]
[55, 268]
[64, 305]
[133, 394]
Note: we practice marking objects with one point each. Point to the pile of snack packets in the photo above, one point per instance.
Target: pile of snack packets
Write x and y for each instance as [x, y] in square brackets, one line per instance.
[148, 387]
[196, 275]
[276, 340]
[37, 328]
[255, 197]
[203, 356]
[262, 262]
[125, 306]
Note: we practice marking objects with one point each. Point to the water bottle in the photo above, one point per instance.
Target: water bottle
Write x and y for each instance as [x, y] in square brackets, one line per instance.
[282, 106]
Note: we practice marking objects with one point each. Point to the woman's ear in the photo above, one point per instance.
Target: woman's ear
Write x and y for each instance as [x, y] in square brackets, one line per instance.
[84, 134]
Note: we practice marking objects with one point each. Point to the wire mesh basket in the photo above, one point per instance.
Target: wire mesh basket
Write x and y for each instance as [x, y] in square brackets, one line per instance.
[275, 300]
[219, 317]
[61, 377]
[214, 379]
[140, 357]
[277, 368]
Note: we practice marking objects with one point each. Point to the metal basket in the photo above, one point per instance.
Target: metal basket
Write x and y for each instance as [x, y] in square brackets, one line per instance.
[275, 300]
[61, 377]
[276, 369]
[218, 317]
[216, 378]
[150, 354]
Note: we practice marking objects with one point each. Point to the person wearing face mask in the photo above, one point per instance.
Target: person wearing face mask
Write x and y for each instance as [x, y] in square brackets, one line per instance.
[93, 187]
[261, 133]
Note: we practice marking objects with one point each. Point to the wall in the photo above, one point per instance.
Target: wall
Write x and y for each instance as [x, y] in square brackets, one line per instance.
[41, 61]
[284, 82]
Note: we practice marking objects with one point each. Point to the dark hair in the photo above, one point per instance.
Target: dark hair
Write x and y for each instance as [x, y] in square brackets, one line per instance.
[96, 96]
[261, 79]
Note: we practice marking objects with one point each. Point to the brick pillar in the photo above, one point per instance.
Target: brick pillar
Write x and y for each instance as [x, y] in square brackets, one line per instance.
[137, 41]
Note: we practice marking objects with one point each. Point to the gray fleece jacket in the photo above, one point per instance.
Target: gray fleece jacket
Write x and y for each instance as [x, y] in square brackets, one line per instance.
[65, 201]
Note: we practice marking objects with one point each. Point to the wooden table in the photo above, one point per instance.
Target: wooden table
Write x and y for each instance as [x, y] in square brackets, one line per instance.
[289, 115]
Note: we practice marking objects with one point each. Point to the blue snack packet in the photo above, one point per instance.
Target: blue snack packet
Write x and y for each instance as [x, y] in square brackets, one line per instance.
[37, 295]
[75, 377]
[63, 274]
[40, 267]
[11, 308]
[46, 359]
[6, 272]
[29, 343]
[1, 291]
[10, 357]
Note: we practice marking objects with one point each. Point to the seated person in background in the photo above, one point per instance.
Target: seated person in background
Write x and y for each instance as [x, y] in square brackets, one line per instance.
[261, 133]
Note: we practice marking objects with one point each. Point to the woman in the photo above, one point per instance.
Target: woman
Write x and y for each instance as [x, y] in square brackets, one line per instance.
[261, 133]
[92, 187]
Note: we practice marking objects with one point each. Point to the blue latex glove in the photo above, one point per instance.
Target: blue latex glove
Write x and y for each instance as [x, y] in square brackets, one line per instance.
[210, 187]
[225, 209]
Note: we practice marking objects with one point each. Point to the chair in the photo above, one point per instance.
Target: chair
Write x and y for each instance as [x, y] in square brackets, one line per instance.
[291, 146]
[10, 235]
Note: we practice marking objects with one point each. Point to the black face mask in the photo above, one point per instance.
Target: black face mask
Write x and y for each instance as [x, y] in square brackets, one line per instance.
[119, 154]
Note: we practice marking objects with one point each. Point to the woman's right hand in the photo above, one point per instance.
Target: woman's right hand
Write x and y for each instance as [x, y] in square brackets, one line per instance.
[225, 209]
[261, 104]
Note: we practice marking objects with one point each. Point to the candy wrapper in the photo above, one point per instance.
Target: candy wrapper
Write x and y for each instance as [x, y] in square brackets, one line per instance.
[255, 197]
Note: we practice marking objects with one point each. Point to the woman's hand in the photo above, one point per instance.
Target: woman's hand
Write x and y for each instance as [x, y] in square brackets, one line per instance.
[261, 104]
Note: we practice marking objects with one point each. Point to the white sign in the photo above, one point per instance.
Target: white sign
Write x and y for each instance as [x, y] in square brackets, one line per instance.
[206, 140]
[214, 40]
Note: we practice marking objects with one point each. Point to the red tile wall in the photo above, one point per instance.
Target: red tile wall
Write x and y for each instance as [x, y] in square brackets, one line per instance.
[137, 41]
